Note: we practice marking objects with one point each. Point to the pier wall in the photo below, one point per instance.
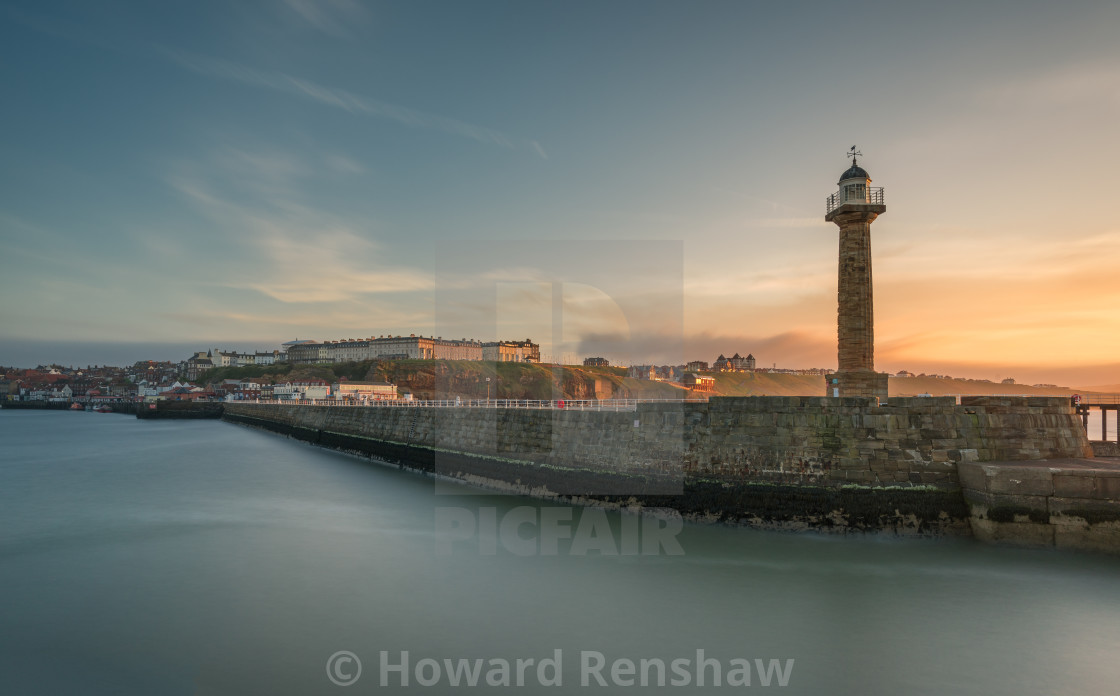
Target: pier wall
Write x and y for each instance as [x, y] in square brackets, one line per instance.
[116, 406]
[787, 462]
[180, 409]
[1071, 504]
[1105, 449]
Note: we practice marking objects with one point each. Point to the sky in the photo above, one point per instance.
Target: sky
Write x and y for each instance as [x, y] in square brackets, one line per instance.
[639, 180]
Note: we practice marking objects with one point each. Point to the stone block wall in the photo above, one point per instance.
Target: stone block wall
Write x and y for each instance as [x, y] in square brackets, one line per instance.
[791, 440]
[1105, 449]
[1072, 505]
[865, 383]
[643, 449]
[907, 441]
[780, 462]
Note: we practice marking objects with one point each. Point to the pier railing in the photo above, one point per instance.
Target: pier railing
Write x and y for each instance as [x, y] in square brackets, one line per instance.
[1104, 404]
[557, 404]
[1099, 399]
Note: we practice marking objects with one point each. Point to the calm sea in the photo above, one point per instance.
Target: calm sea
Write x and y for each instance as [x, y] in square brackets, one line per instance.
[178, 557]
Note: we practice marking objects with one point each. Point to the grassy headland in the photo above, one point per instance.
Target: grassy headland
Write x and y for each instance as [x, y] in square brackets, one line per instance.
[427, 379]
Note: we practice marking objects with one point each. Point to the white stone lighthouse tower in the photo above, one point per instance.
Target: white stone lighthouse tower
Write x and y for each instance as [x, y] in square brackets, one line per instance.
[853, 208]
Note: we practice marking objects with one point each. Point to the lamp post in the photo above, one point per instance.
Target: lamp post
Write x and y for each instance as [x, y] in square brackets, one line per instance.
[487, 391]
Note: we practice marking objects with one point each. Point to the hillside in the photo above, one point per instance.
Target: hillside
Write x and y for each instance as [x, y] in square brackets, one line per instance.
[444, 379]
[428, 379]
[766, 384]
[938, 386]
[1101, 388]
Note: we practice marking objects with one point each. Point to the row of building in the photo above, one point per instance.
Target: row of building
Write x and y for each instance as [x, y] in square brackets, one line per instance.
[193, 367]
[735, 363]
[307, 389]
[252, 388]
[61, 383]
[411, 347]
[688, 375]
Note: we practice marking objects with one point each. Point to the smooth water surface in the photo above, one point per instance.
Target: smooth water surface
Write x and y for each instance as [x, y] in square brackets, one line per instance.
[180, 557]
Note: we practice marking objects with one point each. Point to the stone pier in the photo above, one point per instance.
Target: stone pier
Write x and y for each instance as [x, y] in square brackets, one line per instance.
[830, 464]
[1064, 503]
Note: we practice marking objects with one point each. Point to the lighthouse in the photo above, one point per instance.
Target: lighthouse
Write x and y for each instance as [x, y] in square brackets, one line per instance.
[853, 208]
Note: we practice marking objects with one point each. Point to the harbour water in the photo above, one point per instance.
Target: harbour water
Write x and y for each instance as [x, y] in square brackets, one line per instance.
[200, 557]
[1095, 425]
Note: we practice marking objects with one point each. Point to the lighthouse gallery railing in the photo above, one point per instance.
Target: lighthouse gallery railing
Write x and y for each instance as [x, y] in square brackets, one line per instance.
[869, 195]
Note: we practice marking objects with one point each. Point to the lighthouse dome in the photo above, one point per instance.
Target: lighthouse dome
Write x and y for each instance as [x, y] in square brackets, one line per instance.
[855, 172]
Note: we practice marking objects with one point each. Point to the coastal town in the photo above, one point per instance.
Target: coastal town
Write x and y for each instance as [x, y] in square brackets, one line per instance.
[193, 377]
[336, 370]
[357, 346]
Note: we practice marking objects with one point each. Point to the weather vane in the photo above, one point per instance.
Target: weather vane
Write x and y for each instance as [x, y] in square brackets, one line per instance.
[853, 153]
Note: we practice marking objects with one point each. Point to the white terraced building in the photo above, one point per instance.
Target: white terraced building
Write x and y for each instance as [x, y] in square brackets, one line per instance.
[411, 347]
[364, 391]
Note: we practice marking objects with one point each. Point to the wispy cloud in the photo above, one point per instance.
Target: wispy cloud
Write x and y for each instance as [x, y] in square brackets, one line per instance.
[332, 17]
[329, 321]
[337, 276]
[969, 254]
[344, 165]
[1089, 83]
[349, 101]
[797, 222]
[298, 253]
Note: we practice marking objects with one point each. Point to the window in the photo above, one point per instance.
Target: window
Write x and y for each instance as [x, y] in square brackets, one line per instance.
[854, 192]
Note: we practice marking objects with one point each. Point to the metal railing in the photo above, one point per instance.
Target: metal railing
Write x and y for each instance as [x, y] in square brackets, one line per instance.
[538, 404]
[1099, 399]
[1086, 401]
[873, 195]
